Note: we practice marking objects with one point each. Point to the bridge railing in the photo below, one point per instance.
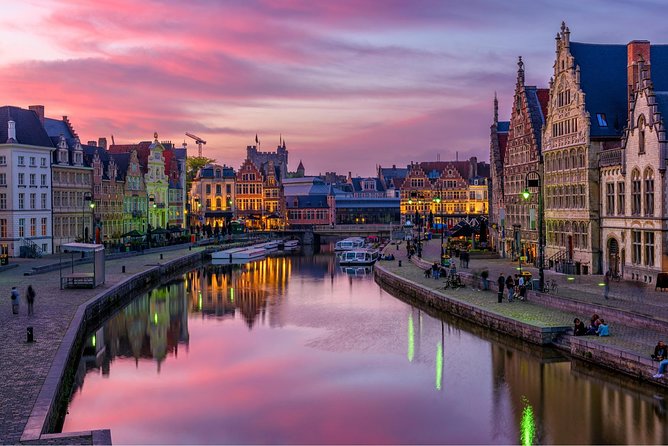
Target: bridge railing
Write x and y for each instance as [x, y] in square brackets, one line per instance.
[353, 228]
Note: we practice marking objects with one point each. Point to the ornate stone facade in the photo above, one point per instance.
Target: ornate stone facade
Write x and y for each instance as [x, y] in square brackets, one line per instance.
[497, 150]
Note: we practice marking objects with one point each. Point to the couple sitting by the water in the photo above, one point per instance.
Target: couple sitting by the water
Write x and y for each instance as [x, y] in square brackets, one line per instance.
[597, 327]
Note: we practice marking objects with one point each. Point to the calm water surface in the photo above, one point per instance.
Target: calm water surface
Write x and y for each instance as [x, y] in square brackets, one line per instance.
[297, 350]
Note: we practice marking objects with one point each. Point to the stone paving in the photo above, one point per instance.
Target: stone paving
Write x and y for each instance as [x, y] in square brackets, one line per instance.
[24, 366]
[623, 295]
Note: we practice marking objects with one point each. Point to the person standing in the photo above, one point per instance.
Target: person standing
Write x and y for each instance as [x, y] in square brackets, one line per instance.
[15, 300]
[30, 297]
[510, 285]
[606, 284]
[502, 283]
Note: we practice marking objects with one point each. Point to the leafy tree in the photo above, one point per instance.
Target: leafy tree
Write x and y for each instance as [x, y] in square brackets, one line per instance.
[193, 165]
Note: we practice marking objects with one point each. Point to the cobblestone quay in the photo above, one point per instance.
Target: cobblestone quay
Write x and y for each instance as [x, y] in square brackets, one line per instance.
[30, 372]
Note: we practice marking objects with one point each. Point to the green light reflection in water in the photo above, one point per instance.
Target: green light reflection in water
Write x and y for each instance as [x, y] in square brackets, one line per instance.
[411, 338]
[527, 425]
[439, 366]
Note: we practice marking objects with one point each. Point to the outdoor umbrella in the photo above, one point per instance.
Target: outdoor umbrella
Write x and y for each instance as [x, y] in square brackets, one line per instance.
[133, 233]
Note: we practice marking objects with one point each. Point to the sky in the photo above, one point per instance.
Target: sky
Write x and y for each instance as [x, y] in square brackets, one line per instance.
[348, 84]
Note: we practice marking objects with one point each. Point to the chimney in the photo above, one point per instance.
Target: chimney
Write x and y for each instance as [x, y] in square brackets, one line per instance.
[39, 109]
[92, 143]
[11, 132]
[102, 142]
[636, 51]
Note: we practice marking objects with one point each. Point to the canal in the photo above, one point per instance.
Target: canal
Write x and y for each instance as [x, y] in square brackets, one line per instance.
[295, 350]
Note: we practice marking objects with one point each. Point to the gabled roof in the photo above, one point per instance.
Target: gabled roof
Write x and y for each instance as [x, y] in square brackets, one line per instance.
[306, 201]
[142, 148]
[603, 79]
[29, 129]
[536, 111]
[357, 184]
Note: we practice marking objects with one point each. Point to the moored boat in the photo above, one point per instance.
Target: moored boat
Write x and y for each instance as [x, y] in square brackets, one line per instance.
[225, 254]
[252, 252]
[357, 257]
[349, 244]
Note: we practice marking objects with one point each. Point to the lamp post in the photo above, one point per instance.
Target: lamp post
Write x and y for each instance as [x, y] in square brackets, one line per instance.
[150, 201]
[533, 180]
[87, 197]
[439, 209]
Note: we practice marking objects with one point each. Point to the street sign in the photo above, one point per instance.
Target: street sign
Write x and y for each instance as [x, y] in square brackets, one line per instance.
[523, 258]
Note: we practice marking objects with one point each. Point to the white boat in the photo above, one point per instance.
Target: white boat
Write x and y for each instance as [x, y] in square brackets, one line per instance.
[226, 254]
[349, 243]
[290, 245]
[253, 252]
[357, 257]
[269, 246]
[358, 271]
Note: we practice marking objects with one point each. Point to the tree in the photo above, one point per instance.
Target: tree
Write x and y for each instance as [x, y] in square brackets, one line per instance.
[193, 165]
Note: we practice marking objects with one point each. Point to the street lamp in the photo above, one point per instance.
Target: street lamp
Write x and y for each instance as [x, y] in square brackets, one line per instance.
[533, 180]
[439, 209]
[87, 197]
[150, 201]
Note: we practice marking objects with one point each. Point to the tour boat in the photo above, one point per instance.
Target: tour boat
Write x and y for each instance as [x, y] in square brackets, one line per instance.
[349, 243]
[226, 254]
[270, 246]
[252, 252]
[289, 245]
[358, 257]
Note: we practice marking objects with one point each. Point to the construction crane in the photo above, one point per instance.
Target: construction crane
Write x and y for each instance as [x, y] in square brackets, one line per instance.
[199, 142]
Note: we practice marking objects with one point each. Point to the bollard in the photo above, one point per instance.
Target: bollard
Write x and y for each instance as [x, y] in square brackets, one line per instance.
[399, 262]
[30, 335]
[190, 248]
[160, 256]
[123, 268]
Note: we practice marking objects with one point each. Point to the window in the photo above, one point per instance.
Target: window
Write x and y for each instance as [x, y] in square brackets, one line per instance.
[43, 201]
[228, 189]
[635, 193]
[22, 198]
[649, 193]
[3, 228]
[602, 122]
[208, 189]
[22, 227]
[33, 227]
[621, 198]
[649, 248]
[636, 247]
[3, 160]
[3, 179]
[218, 189]
[32, 201]
[44, 226]
[641, 134]
[22, 161]
[33, 179]
[22, 179]
[3, 201]
[208, 203]
[43, 180]
[610, 199]
[33, 161]
[42, 162]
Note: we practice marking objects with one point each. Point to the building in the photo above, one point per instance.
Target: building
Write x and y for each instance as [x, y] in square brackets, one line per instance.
[279, 158]
[309, 201]
[157, 186]
[72, 183]
[249, 195]
[273, 216]
[212, 195]
[134, 197]
[497, 153]
[586, 114]
[108, 195]
[522, 158]
[634, 229]
[25, 184]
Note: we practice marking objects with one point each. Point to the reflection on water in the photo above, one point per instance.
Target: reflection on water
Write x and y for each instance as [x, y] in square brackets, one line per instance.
[297, 350]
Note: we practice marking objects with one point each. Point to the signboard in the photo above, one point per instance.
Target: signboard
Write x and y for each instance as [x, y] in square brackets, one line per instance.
[523, 258]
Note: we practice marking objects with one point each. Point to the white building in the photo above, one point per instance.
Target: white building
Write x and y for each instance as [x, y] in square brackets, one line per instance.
[25, 184]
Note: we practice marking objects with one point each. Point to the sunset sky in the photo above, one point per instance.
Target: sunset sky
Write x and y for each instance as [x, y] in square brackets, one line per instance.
[348, 83]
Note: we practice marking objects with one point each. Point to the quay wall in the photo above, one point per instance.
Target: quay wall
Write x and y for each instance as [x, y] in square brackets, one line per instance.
[51, 404]
[586, 348]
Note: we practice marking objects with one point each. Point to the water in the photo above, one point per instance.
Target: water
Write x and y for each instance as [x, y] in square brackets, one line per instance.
[295, 350]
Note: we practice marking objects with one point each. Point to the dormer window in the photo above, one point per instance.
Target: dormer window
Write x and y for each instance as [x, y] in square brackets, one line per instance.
[602, 121]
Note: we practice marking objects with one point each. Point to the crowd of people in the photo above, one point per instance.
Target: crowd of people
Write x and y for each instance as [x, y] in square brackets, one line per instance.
[516, 287]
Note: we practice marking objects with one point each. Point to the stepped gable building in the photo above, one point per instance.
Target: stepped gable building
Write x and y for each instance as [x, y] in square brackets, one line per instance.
[134, 197]
[213, 195]
[108, 195]
[72, 183]
[273, 205]
[522, 156]
[25, 156]
[634, 226]
[450, 182]
[586, 114]
[497, 153]
[249, 194]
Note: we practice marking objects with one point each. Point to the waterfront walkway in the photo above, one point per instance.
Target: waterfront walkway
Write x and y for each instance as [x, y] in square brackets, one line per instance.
[24, 366]
[634, 298]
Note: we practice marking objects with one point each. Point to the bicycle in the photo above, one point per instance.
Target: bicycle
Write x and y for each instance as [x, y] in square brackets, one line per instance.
[550, 286]
[454, 282]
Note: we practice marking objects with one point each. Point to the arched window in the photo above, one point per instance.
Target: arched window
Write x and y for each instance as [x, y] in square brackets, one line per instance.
[585, 235]
[649, 192]
[219, 203]
[576, 235]
[581, 158]
[635, 192]
[573, 159]
[641, 134]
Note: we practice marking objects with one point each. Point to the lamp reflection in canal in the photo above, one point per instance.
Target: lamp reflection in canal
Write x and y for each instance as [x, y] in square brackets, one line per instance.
[411, 338]
[439, 359]
[527, 425]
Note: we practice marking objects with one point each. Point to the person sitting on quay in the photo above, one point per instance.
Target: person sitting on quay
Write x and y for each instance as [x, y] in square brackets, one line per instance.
[660, 352]
[594, 322]
[579, 329]
[602, 329]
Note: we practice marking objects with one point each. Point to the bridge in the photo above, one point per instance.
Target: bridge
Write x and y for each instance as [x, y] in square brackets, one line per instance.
[312, 234]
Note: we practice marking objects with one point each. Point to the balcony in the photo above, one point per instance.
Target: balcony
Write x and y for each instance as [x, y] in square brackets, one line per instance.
[611, 157]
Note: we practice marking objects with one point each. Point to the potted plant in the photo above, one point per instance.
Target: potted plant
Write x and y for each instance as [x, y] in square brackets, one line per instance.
[484, 275]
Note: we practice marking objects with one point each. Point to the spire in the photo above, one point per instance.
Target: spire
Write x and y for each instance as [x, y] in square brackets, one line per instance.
[520, 71]
[496, 109]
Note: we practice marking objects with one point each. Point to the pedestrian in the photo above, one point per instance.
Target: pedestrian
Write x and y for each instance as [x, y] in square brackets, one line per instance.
[522, 288]
[501, 282]
[15, 300]
[606, 284]
[660, 351]
[510, 285]
[30, 297]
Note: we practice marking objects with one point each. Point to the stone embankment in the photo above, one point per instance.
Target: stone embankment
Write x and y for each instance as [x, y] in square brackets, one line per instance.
[544, 319]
